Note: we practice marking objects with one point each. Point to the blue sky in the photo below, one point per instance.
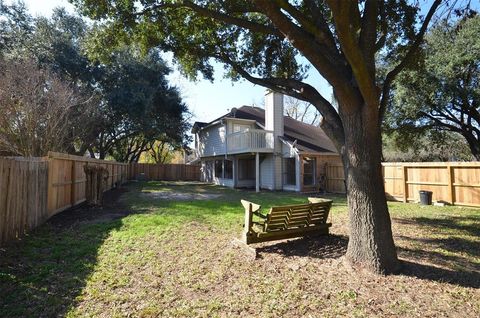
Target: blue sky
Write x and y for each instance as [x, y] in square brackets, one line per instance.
[206, 100]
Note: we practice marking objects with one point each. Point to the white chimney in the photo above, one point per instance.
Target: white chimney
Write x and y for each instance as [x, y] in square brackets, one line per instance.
[274, 113]
[274, 122]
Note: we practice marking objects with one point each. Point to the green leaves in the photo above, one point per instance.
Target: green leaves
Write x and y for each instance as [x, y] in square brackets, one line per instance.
[127, 83]
[442, 90]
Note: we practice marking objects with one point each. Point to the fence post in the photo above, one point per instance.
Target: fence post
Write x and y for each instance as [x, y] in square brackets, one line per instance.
[405, 184]
[73, 190]
[451, 189]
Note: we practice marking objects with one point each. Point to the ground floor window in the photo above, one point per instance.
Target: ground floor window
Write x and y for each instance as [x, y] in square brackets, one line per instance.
[289, 175]
[224, 169]
[208, 171]
[228, 169]
[246, 169]
[218, 168]
[308, 171]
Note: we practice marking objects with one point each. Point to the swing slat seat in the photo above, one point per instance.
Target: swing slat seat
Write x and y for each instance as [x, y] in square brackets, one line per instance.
[289, 221]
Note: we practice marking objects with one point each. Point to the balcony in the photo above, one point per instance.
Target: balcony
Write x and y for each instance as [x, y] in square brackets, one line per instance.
[250, 140]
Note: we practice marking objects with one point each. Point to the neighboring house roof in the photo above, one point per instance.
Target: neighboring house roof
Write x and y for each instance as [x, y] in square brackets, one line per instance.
[309, 138]
[198, 125]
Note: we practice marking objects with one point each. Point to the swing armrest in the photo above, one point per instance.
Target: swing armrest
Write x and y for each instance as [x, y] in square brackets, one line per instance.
[260, 215]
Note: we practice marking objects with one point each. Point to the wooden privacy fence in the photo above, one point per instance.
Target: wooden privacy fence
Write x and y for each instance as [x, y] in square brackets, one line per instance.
[23, 195]
[34, 189]
[66, 179]
[453, 182]
[167, 172]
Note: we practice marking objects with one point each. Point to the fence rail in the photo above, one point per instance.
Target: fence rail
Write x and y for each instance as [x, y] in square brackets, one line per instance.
[453, 182]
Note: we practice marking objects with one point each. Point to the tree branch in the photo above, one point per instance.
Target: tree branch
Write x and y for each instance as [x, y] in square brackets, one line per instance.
[406, 60]
[319, 29]
[330, 67]
[368, 34]
[332, 125]
[346, 19]
[225, 18]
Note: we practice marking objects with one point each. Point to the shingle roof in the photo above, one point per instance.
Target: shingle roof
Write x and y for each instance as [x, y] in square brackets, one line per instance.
[309, 138]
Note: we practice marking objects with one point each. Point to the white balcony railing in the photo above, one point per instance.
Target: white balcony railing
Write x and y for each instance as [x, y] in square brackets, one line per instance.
[250, 140]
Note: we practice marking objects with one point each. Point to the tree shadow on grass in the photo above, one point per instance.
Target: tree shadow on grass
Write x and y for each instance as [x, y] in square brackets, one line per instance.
[427, 272]
[42, 274]
[333, 247]
[469, 224]
[321, 247]
[450, 245]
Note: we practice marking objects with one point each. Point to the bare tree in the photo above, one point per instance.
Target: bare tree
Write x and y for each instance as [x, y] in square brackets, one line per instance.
[302, 111]
[161, 151]
[39, 111]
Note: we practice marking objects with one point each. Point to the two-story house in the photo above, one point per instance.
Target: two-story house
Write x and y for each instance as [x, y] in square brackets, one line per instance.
[255, 148]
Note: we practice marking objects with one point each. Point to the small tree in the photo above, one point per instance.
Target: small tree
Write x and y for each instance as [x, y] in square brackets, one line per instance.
[302, 111]
[39, 111]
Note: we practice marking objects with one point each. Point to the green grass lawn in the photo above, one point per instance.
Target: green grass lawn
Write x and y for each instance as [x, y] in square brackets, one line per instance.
[145, 255]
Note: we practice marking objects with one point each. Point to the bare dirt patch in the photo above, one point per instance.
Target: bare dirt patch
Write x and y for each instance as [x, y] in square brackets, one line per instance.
[82, 214]
[179, 196]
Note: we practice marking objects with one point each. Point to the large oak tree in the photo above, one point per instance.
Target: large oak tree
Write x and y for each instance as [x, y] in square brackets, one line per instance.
[262, 41]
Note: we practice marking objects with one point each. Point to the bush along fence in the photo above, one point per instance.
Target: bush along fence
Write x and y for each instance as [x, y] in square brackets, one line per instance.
[34, 189]
[451, 182]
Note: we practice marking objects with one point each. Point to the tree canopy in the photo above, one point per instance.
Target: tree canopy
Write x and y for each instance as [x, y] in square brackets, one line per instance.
[134, 103]
[442, 90]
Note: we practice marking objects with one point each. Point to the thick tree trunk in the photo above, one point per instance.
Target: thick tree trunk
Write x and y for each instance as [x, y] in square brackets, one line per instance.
[371, 243]
[473, 143]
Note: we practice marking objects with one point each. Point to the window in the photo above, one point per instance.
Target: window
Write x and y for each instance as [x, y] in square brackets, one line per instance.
[224, 169]
[209, 171]
[289, 171]
[218, 168]
[246, 169]
[308, 171]
[240, 127]
[228, 165]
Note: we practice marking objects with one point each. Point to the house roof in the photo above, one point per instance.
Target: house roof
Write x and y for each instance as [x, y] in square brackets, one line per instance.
[309, 138]
[197, 126]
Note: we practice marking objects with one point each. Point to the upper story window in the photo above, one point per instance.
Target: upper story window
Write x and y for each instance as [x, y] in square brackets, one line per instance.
[240, 127]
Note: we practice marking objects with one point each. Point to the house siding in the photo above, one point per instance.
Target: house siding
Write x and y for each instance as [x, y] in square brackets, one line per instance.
[212, 141]
[266, 172]
[224, 182]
